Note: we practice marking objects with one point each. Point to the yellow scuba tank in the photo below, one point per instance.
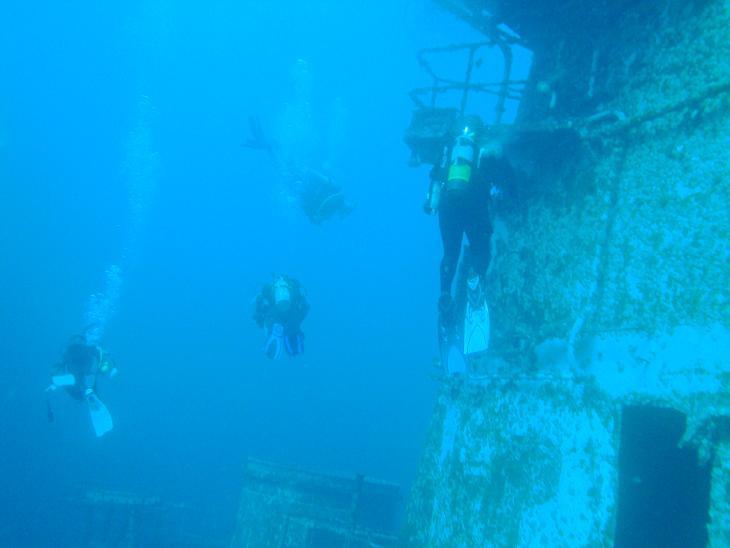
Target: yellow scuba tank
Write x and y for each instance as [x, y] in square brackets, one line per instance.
[462, 160]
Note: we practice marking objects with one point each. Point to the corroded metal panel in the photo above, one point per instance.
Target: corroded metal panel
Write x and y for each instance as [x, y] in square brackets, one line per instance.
[292, 507]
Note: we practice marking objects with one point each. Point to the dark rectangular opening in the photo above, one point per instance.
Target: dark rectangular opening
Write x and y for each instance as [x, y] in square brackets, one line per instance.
[664, 492]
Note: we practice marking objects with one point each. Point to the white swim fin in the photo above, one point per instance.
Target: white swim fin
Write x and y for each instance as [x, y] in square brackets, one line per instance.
[101, 420]
[476, 329]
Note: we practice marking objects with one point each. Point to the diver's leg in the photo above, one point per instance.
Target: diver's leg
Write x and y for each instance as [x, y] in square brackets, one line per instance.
[89, 381]
[294, 343]
[451, 227]
[452, 230]
[275, 342]
[479, 232]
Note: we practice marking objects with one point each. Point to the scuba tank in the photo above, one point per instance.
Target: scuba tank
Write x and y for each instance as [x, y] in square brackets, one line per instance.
[282, 294]
[433, 197]
[461, 160]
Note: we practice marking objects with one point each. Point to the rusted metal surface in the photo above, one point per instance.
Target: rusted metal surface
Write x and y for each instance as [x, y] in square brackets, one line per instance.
[287, 506]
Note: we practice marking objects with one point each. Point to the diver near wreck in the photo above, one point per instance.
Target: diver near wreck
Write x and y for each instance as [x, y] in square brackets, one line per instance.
[460, 189]
[78, 373]
[280, 308]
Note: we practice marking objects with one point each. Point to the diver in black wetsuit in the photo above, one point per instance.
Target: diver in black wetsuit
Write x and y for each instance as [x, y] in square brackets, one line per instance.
[319, 197]
[280, 308]
[82, 364]
[460, 191]
[77, 373]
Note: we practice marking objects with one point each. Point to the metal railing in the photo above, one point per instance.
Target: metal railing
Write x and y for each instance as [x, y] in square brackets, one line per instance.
[504, 89]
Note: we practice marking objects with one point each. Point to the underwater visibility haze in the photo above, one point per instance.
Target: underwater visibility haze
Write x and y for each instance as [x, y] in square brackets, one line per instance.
[129, 202]
[225, 319]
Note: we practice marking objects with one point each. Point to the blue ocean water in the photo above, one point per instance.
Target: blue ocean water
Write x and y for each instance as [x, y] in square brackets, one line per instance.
[121, 128]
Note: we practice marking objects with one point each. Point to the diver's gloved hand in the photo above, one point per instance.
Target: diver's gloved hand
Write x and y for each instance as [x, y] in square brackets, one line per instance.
[433, 198]
[275, 343]
[427, 207]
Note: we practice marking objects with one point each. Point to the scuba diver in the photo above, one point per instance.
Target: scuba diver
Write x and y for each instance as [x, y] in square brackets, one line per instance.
[460, 189]
[319, 197]
[316, 194]
[77, 373]
[280, 308]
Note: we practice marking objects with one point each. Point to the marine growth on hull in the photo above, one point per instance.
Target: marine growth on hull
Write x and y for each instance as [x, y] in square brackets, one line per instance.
[598, 413]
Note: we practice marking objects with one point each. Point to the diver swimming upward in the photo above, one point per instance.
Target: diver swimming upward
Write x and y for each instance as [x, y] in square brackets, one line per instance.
[319, 197]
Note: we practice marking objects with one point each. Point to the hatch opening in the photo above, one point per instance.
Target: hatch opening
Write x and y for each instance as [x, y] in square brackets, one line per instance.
[664, 492]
